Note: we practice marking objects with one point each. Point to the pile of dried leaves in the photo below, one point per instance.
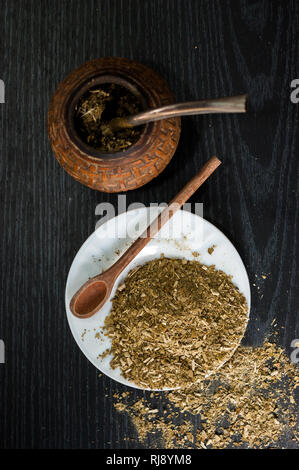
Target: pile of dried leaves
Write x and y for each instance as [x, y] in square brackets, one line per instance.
[97, 108]
[249, 402]
[173, 322]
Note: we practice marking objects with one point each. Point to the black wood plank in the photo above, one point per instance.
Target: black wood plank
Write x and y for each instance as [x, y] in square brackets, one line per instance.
[50, 395]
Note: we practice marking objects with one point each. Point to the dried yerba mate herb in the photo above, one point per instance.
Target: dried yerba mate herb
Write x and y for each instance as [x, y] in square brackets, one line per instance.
[97, 108]
[173, 322]
[250, 403]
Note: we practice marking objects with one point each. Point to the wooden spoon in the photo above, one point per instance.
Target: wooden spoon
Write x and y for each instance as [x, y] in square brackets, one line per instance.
[96, 291]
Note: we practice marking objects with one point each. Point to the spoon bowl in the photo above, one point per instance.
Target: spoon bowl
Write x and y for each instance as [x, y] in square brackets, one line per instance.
[90, 298]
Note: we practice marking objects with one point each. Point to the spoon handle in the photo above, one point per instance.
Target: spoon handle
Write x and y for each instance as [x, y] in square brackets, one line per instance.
[165, 215]
[231, 104]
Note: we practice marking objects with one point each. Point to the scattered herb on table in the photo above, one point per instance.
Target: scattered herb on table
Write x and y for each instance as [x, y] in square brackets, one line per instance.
[250, 403]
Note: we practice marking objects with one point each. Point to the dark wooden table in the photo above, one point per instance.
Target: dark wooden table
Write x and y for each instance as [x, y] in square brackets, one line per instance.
[50, 395]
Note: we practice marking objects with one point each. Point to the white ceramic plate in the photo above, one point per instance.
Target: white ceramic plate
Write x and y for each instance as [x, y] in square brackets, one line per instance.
[186, 235]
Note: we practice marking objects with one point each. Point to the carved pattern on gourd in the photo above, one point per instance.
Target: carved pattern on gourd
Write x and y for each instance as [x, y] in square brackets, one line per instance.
[123, 173]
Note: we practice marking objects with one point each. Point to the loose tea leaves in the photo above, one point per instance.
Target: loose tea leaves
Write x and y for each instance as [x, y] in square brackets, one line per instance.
[249, 402]
[97, 108]
[173, 322]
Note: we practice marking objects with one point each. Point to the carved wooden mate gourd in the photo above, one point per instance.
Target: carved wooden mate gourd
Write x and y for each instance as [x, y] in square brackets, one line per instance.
[121, 171]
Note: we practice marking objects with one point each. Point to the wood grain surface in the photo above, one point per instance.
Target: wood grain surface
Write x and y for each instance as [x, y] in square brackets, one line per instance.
[50, 395]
